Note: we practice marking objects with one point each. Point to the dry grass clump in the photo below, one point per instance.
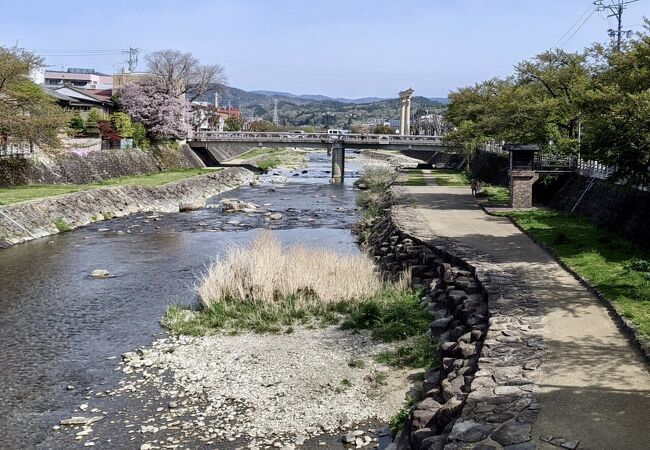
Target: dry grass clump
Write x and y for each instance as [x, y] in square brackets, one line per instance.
[266, 273]
[376, 178]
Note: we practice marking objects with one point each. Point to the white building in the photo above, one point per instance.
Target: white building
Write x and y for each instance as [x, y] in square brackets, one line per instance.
[79, 78]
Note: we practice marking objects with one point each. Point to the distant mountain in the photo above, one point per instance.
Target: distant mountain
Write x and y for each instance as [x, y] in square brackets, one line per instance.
[356, 101]
[441, 100]
[318, 110]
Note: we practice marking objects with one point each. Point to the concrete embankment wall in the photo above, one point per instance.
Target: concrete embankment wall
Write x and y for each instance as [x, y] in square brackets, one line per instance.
[221, 152]
[29, 220]
[485, 390]
[92, 166]
[625, 211]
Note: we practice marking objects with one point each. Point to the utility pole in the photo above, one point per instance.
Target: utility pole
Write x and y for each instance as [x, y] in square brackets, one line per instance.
[276, 120]
[616, 7]
[131, 59]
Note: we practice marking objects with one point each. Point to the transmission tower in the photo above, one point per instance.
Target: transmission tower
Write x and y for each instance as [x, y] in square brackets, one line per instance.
[131, 56]
[616, 8]
[276, 121]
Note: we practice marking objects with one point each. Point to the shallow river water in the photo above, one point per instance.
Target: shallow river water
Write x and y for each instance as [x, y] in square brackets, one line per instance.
[59, 327]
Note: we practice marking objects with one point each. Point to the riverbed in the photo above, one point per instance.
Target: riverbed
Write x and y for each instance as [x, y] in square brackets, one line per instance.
[62, 332]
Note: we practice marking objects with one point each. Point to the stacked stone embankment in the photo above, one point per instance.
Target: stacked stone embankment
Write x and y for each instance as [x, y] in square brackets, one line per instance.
[626, 211]
[483, 393]
[29, 220]
[92, 166]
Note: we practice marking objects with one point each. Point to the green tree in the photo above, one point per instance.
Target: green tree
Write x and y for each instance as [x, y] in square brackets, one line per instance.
[540, 104]
[27, 112]
[616, 111]
[140, 136]
[77, 124]
[92, 123]
[234, 123]
[383, 129]
[123, 124]
[263, 126]
[552, 84]
[309, 129]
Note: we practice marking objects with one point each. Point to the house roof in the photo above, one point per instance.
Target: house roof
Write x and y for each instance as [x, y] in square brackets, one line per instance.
[102, 94]
[85, 95]
[75, 96]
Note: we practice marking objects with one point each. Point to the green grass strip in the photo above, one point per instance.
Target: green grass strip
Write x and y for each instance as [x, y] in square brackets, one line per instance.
[415, 178]
[450, 177]
[36, 191]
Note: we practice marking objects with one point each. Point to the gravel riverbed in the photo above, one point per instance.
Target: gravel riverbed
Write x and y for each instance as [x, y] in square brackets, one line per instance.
[256, 390]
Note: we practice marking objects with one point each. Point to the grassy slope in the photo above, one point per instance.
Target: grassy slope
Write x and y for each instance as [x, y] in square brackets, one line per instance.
[415, 178]
[269, 157]
[35, 191]
[450, 178]
[260, 151]
[599, 257]
[498, 195]
[495, 194]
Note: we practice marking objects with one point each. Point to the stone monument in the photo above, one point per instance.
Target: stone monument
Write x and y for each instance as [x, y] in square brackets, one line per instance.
[405, 112]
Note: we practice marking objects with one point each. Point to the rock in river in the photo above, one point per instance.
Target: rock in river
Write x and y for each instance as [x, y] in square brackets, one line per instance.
[100, 273]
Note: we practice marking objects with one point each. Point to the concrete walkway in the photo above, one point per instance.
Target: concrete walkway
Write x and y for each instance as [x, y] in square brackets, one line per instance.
[595, 389]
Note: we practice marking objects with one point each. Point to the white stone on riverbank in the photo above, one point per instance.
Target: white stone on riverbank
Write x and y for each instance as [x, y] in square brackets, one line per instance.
[272, 387]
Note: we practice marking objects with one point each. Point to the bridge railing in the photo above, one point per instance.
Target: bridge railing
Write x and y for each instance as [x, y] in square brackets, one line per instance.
[239, 136]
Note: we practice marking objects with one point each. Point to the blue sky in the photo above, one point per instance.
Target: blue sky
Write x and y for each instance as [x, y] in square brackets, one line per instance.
[343, 48]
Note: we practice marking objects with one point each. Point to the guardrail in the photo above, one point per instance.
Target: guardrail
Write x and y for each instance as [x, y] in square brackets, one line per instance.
[555, 163]
[16, 149]
[381, 139]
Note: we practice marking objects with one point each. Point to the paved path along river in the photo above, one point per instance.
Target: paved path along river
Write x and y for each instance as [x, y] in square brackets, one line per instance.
[595, 389]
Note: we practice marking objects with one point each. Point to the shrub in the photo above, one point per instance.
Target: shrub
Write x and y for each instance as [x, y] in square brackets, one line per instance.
[377, 178]
[62, 225]
[420, 352]
[392, 314]
[77, 124]
[638, 265]
[122, 124]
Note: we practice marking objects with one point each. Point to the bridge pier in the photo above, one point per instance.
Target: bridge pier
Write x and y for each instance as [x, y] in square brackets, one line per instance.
[338, 163]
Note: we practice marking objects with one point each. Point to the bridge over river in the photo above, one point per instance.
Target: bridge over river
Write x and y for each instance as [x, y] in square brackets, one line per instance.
[216, 148]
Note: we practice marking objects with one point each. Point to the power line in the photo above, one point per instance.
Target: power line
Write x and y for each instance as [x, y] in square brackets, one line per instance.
[616, 8]
[568, 39]
[589, 8]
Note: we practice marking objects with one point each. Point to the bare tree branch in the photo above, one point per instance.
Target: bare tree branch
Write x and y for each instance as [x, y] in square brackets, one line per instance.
[183, 73]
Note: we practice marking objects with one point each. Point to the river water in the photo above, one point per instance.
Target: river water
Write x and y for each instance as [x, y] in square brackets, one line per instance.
[59, 327]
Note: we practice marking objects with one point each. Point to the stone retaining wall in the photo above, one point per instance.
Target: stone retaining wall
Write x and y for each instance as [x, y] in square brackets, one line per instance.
[92, 166]
[625, 211]
[29, 220]
[484, 394]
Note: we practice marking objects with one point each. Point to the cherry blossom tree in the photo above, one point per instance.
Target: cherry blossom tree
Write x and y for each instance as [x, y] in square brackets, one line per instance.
[151, 103]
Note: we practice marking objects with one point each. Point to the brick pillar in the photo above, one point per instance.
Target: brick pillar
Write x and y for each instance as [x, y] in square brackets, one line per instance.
[521, 188]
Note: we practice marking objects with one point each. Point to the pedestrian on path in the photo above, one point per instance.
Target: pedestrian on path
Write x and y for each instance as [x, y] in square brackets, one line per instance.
[476, 187]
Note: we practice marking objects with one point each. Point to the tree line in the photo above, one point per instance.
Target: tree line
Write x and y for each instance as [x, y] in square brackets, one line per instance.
[154, 108]
[595, 102]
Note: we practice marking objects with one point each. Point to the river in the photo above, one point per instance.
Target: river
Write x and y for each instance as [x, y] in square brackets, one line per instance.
[62, 332]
